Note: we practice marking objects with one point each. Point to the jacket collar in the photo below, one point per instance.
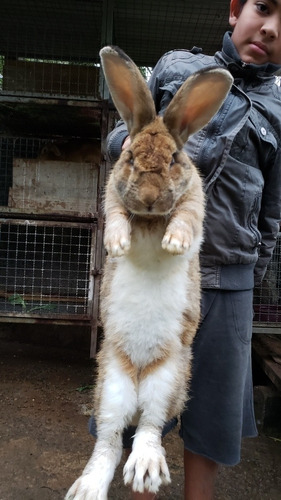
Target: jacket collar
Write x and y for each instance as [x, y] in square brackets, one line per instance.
[230, 58]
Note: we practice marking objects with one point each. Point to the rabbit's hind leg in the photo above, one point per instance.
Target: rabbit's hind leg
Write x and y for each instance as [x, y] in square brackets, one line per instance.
[117, 402]
[146, 467]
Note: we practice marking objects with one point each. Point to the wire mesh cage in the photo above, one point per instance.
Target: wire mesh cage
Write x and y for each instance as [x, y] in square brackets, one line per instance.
[49, 177]
[46, 48]
[45, 268]
[267, 298]
[52, 48]
[146, 30]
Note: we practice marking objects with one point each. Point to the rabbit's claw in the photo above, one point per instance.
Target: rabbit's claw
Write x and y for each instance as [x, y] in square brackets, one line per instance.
[86, 488]
[147, 471]
[118, 246]
[176, 242]
[117, 239]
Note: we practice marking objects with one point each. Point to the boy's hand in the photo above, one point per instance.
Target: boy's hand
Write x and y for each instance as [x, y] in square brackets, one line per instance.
[126, 143]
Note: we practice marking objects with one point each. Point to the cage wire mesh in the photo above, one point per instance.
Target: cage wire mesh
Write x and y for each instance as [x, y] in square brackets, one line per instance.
[52, 48]
[146, 30]
[267, 297]
[45, 268]
[47, 49]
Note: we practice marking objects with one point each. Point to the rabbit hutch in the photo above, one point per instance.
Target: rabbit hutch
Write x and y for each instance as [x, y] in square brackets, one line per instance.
[55, 115]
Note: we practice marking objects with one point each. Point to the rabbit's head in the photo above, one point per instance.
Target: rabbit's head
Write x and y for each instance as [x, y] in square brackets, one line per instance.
[153, 173]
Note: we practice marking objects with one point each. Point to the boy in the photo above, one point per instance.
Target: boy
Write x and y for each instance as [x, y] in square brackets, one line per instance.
[238, 155]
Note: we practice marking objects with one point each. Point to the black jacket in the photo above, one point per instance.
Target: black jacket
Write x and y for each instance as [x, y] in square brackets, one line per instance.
[238, 153]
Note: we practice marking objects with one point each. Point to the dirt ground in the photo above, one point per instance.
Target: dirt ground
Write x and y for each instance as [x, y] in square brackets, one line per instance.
[43, 426]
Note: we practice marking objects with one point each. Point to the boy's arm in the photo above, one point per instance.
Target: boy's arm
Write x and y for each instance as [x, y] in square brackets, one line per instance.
[115, 140]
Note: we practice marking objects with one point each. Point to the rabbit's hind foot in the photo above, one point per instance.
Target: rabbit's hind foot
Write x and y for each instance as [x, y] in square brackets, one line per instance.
[86, 487]
[94, 483]
[146, 469]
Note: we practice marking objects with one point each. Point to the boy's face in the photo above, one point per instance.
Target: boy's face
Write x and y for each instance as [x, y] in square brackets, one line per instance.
[257, 30]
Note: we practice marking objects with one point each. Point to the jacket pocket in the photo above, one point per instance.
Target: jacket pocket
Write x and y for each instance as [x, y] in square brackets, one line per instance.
[253, 220]
[242, 310]
[255, 144]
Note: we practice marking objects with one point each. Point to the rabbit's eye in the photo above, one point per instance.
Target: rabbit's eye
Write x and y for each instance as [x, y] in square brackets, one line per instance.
[174, 159]
[131, 159]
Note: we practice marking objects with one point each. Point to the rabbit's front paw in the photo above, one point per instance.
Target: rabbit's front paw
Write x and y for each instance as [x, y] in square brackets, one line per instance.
[118, 246]
[117, 239]
[146, 469]
[86, 487]
[177, 239]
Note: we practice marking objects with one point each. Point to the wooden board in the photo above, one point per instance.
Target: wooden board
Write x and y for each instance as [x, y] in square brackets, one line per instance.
[52, 117]
[54, 186]
[266, 351]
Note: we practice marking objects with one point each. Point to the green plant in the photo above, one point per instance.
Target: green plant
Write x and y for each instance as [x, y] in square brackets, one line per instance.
[18, 299]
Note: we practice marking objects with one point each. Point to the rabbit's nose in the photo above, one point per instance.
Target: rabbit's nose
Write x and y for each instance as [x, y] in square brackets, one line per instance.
[149, 198]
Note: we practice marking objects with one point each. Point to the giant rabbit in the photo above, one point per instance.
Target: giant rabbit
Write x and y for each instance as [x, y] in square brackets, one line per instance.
[150, 295]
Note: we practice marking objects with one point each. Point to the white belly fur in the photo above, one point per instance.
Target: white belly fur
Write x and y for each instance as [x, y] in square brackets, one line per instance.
[149, 293]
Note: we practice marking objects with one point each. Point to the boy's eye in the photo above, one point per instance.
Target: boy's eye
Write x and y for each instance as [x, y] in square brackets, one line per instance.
[262, 7]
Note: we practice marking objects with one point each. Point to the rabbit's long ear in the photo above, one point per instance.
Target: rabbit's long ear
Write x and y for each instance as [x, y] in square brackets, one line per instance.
[196, 102]
[128, 89]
